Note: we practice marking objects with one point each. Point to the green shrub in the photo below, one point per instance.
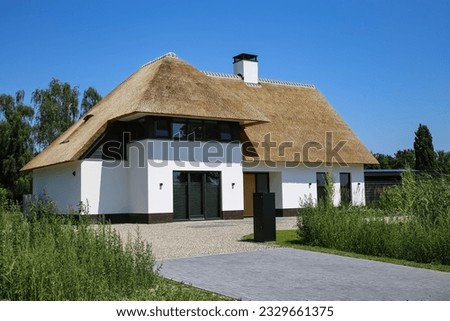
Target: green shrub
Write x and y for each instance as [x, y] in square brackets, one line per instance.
[5, 195]
[50, 257]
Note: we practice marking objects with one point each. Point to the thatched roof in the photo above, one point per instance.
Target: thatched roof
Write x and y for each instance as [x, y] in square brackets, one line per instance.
[170, 86]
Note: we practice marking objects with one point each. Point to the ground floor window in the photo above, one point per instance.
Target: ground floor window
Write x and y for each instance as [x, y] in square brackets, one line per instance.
[321, 179]
[196, 195]
[346, 188]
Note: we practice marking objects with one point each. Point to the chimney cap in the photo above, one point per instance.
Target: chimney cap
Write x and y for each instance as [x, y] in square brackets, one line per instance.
[245, 56]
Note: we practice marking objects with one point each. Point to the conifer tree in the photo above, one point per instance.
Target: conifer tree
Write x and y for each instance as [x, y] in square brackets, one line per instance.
[424, 150]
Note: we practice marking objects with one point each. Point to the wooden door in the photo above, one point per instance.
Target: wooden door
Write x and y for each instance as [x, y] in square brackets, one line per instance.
[249, 189]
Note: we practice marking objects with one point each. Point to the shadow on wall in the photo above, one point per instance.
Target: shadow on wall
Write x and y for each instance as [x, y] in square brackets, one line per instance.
[114, 191]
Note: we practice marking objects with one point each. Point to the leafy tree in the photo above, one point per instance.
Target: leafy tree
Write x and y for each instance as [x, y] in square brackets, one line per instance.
[56, 108]
[424, 150]
[405, 158]
[90, 98]
[16, 147]
[385, 162]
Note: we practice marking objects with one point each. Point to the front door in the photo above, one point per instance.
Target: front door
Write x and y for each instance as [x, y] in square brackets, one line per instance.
[196, 195]
[249, 189]
[254, 183]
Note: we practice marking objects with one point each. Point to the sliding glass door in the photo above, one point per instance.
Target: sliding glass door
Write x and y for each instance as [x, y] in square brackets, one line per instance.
[196, 195]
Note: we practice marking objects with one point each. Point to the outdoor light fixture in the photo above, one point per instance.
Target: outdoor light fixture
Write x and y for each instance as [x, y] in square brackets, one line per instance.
[74, 173]
[232, 185]
[160, 185]
[310, 185]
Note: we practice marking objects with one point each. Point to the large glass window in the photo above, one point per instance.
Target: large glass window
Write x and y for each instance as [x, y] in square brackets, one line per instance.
[196, 195]
[154, 127]
[180, 192]
[321, 190]
[179, 129]
[210, 130]
[195, 130]
[212, 194]
[346, 188]
[225, 132]
[162, 128]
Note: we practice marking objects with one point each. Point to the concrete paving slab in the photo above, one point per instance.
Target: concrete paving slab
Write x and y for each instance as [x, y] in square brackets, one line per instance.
[297, 275]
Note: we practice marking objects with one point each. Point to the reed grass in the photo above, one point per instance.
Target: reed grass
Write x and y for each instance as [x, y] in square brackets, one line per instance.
[412, 222]
[49, 257]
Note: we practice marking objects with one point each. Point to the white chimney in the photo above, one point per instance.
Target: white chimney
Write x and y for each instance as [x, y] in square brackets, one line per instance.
[246, 66]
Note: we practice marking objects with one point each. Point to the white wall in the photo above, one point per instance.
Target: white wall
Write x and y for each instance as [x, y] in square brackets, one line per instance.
[358, 190]
[293, 185]
[104, 186]
[164, 157]
[59, 184]
[143, 185]
[138, 180]
[161, 200]
[133, 186]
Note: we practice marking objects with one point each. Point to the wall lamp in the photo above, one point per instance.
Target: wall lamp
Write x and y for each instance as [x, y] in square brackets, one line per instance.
[160, 185]
[310, 184]
[232, 185]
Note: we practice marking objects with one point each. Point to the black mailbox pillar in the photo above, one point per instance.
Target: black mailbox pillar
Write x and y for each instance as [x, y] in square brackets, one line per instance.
[264, 216]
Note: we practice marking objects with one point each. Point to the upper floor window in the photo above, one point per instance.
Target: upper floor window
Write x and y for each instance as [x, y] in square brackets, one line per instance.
[194, 129]
[162, 128]
[225, 132]
[112, 145]
[179, 129]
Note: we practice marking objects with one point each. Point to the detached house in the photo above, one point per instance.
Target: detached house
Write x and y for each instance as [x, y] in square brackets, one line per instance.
[175, 143]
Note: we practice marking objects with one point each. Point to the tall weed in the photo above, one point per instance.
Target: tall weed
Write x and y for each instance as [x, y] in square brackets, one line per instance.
[424, 196]
[413, 223]
[49, 257]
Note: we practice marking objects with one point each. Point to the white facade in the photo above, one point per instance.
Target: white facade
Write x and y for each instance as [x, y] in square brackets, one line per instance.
[61, 184]
[294, 185]
[144, 183]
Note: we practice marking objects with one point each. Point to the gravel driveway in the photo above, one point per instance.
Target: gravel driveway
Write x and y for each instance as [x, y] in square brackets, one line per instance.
[199, 238]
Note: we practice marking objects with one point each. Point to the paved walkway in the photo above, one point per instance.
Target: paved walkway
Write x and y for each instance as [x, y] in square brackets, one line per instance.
[289, 274]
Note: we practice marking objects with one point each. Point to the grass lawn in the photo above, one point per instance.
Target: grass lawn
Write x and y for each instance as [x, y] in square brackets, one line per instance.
[289, 238]
[168, 290]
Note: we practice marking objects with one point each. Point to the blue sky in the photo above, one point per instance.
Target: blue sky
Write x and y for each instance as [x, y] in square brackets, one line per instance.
[383, 65]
